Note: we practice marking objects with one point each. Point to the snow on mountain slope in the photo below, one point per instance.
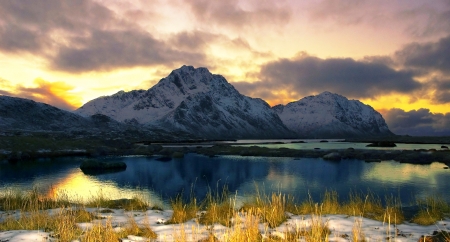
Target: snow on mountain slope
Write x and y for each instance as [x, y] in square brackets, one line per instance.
[195, 101]
[329, 115]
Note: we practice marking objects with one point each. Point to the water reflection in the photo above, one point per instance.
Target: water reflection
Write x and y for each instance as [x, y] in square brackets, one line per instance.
[160, 181]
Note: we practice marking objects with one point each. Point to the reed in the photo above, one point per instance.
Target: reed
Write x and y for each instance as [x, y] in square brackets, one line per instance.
[432, 209]
[218, 208]
[183, 211]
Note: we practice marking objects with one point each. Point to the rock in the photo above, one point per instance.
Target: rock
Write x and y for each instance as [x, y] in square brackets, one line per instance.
[382, 144]
[164, 158]
[437, 236]
[444, 147]
[334, 156]
[177, 155]
[97, 167]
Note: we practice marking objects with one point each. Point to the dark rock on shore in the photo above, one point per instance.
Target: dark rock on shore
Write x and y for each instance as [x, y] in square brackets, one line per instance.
[100, 167]
[382, 144]
[164, 158]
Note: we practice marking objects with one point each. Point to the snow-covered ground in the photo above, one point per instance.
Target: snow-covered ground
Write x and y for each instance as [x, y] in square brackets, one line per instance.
[341, 227]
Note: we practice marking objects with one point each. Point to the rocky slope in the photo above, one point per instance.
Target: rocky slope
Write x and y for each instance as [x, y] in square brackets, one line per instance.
[329, 115]
[194, 101]
[25, 114]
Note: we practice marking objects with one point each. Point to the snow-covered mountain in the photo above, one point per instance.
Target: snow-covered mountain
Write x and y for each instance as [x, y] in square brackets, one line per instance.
[195, 101]
[329, 115]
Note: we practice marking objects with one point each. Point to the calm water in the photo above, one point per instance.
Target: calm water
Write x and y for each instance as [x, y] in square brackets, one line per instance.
[159, 181]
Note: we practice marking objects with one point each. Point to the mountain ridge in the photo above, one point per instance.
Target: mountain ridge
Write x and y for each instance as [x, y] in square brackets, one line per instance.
[204, 105]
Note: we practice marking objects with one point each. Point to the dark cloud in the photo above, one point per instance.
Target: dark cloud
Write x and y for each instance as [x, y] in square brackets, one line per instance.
[348, 77]
[3, 92]
[79, 36]
[432, 19]
[231, 13]
[432, 56]
[194, 40]
[441, 90]
[104, 50]
[418, 122]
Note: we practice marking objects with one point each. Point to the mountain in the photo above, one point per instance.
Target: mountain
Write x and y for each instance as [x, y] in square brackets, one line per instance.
[329, 115]
[25, 114]
[195, 101]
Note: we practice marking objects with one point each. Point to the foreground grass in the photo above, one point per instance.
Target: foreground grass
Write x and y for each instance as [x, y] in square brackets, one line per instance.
[33, 211]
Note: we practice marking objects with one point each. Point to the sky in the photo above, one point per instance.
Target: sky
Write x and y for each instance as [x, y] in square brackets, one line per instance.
[392, 55]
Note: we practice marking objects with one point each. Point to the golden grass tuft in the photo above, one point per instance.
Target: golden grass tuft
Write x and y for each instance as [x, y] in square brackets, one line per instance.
[183, 211]
[271, 209]
[217, 209]
[244, 228]
[432, 209]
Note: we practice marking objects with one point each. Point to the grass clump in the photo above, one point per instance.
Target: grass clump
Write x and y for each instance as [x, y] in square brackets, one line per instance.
[33, 200]
[217, 209]
[62, 225]
[245, 228]
[136, 203]
[432, 209]
[183, 211]
[271, 209]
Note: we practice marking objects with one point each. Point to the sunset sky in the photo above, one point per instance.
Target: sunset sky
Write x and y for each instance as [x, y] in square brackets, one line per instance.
[392, 55]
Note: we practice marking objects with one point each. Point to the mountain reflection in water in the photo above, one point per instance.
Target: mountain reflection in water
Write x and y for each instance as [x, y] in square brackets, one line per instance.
[160, 181]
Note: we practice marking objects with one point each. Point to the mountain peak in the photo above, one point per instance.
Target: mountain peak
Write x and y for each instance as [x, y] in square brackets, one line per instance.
[196, 101]
[330, 115]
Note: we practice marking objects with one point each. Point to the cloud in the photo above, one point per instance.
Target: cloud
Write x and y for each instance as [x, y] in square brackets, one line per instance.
[54, 93]
[106, 50]
[356, 79]
[193, 40]
[420, 122]
[431, 56]
[419, 18]
[241, 14]
[83, 36]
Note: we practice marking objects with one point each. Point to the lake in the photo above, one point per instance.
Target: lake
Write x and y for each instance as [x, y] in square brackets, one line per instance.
[159, 181]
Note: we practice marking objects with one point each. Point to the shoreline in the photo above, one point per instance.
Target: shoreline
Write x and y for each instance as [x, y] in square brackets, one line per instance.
[265, 218]
[420, 156]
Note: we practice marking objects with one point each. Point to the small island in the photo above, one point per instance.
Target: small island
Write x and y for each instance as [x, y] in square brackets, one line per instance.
[91, 166]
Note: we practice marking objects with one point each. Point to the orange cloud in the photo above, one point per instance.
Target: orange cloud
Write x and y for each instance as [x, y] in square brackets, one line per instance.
[57, 94]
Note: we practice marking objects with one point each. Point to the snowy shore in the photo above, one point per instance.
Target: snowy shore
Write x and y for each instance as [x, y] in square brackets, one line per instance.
[342, 227]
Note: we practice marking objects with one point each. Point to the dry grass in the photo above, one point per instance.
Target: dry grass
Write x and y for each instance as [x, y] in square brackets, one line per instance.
[217, 209]
[63, 224]
[29, 211]
[183, 211]
[245, 228]
[432, 209]
[271, 209]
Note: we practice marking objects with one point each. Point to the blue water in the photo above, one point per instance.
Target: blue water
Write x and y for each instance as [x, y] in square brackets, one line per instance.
[194, 174]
